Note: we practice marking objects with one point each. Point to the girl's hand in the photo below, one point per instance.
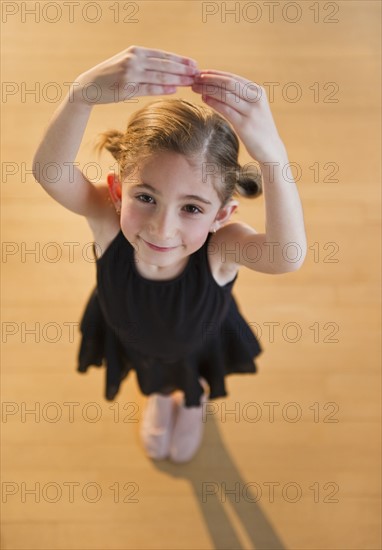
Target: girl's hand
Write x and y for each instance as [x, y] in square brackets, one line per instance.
[245, 105]
[134, 72]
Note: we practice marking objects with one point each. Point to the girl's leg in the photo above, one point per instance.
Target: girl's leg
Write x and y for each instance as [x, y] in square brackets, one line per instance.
[188, 429]
[157, 424]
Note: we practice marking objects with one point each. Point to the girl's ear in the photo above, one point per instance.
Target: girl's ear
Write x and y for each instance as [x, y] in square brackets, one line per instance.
[224, 214]
[115, 191]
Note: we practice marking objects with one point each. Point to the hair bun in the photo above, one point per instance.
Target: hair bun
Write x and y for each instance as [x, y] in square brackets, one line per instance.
[249, 182]
[112, 142]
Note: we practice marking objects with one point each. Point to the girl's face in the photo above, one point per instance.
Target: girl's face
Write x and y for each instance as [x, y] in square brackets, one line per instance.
[168, 210]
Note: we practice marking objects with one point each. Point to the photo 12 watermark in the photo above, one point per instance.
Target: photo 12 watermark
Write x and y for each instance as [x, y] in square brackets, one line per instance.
[291, 171]
[53, 412]
[275, 332]
[52, 492]
[290, 492]
[70, 12]
[270, 12]
[253, 412]
[54, 92]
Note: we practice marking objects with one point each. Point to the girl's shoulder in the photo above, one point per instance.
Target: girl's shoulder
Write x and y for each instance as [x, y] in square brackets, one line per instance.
[233, 246]
[221, 252]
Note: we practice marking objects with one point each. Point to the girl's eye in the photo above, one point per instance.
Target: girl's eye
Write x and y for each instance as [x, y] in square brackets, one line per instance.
[144, 198]
[193, 209]
[190, 208]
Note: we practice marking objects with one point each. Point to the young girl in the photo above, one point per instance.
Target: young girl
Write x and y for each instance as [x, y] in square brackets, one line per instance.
[166, 254]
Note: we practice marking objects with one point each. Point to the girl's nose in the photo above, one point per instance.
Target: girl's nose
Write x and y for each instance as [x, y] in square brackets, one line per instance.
[163, 227]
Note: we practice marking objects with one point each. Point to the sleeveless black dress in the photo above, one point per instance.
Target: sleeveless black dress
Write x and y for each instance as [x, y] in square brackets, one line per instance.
[171, 332]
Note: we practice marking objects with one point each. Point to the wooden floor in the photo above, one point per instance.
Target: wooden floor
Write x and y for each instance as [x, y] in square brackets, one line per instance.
[298, 464]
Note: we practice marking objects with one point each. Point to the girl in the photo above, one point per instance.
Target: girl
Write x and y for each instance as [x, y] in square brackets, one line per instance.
[167, 256]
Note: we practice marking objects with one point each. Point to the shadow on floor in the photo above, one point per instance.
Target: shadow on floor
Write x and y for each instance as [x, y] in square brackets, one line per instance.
[216, 481]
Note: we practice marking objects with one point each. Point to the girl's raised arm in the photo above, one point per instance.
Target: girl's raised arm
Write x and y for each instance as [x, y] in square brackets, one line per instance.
[136, 71]
[245, 105]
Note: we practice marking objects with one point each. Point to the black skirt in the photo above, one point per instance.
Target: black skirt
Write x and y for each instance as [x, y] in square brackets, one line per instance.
[230, 348]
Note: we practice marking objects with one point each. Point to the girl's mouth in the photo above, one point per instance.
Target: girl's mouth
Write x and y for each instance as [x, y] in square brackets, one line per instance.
[159, 248]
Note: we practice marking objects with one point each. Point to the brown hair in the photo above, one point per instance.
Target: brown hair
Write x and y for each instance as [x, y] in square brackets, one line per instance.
[195, 131]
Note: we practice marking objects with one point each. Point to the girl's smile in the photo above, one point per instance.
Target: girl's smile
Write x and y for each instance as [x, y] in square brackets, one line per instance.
[159, 248]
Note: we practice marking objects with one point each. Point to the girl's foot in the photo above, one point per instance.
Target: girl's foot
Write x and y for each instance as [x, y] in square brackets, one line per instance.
[188, 430]
[157, 425]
